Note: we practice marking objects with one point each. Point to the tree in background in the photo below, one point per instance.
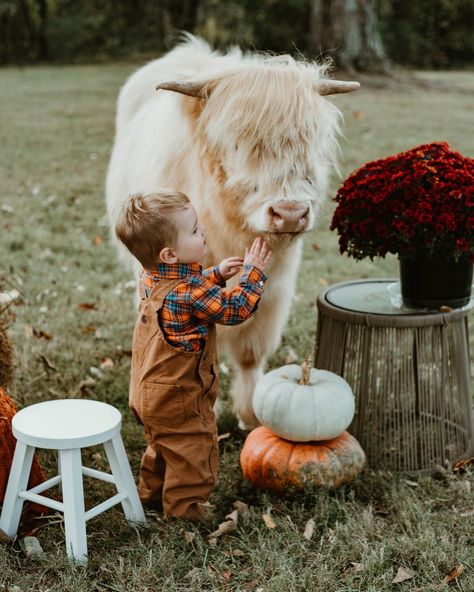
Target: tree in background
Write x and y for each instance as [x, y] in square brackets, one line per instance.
[422, 33]
[348, 31]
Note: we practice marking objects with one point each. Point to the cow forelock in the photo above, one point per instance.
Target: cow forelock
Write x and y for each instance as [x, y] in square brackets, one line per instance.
[275, 139]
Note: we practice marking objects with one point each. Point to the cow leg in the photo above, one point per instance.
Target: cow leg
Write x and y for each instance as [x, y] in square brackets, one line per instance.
[250, 344]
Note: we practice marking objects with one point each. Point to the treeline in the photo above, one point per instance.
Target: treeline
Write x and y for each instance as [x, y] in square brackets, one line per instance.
[420, 33]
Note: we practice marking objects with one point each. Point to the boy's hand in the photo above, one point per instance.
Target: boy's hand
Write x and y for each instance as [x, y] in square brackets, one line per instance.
[230, 267]
[258, 255]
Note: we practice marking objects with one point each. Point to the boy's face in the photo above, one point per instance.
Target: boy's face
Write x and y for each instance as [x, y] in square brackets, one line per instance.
[191, 244]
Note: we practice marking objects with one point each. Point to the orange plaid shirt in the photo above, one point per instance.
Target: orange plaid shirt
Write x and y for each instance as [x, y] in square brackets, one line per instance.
[201, 299]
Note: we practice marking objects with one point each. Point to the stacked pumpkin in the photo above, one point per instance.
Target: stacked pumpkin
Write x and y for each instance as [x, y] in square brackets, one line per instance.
[302, 441]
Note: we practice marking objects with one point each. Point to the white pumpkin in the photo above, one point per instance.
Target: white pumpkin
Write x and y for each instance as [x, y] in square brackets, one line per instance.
[304, 404]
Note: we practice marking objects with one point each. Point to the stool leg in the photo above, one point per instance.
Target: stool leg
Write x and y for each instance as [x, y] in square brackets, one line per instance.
[122, 473]
[17, 481]
[73, 500]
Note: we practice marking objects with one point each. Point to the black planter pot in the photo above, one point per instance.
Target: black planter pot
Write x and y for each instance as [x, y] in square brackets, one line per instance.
[430, 283]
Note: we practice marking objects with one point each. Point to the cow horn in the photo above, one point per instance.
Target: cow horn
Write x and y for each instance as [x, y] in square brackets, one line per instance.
[334, 87]
[192, 88]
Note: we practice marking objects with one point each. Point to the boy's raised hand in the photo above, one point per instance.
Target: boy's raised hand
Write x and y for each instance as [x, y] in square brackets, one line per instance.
[230, 267]
[258, 255]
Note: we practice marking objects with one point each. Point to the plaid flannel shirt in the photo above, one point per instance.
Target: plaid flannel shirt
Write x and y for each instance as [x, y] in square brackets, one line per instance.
[200, 299]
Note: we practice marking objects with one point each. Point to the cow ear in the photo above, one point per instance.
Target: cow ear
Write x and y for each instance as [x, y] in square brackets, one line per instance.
[334, 87]
[192, 88]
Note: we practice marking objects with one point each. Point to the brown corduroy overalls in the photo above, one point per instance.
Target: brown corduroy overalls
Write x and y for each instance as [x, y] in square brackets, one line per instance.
[172, 393]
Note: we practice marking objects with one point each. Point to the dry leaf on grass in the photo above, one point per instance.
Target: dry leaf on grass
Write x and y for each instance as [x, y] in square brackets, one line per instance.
[323, 281]
[268, 520]
[454, 574]
[358, 567]
[189, 536]
[223, 436]
[106, 363]
[88, 329]
[403, 574]
[87, 306]
[228, 525]
[309, 529]
[316, 246]
[38, 333]
[241, 507]
[98, 240]
[9, 297]
[463, 464]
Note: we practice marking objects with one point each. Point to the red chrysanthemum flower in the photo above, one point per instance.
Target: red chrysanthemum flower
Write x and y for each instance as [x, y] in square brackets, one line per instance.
[419, 203]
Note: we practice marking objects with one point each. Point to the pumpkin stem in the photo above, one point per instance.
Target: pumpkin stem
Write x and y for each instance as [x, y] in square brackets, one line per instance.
[306, 367]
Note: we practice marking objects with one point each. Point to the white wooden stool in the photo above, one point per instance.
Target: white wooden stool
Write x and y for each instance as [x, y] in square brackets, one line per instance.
[67, 425]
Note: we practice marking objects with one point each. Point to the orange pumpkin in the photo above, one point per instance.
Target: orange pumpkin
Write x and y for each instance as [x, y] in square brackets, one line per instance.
[271, 462]
[7, 448]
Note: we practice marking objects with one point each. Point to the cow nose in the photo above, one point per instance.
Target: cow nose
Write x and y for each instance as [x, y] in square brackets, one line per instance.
[289, 216]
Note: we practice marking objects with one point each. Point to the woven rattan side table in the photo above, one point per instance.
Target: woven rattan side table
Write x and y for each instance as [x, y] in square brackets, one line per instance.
[410, 372]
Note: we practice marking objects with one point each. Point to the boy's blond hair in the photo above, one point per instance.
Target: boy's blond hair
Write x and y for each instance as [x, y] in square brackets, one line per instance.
[144, 224]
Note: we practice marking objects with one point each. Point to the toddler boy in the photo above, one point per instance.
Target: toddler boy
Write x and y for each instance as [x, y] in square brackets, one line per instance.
[174, 374]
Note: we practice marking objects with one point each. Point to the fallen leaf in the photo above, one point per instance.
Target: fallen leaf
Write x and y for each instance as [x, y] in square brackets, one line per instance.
[87, 306]
[241, 507]
[316, 246]
[228, 525]
[358, 567]
[403, 574]
[445, 308]
[268, 521]
[358, 114]
[454, 574]
[463, 464]
[227, 574]
[411, 483]
[47, 364]
[223, 436]
[9, 297]
[309, 529]
[89, 329]
[98, 240]
[323, 281]
[189, 536]
[106, 363]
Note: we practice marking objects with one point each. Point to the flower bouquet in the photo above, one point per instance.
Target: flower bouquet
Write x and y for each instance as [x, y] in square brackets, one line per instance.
[418, 204]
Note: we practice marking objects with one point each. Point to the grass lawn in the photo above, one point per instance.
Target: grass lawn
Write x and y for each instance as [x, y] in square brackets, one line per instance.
[77, 310]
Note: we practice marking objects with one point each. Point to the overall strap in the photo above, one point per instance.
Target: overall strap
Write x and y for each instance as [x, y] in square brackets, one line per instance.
[161, 290]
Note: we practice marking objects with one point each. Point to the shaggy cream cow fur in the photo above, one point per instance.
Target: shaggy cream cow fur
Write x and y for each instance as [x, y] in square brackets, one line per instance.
[251, 140]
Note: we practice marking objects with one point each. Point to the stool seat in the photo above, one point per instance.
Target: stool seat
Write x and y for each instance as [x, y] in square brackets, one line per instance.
[66, 423]
[67, 426]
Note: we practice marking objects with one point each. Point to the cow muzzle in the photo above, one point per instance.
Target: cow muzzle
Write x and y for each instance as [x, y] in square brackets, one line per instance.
[288, 216]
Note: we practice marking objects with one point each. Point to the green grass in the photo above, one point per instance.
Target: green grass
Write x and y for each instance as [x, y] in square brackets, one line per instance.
[56, 133]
